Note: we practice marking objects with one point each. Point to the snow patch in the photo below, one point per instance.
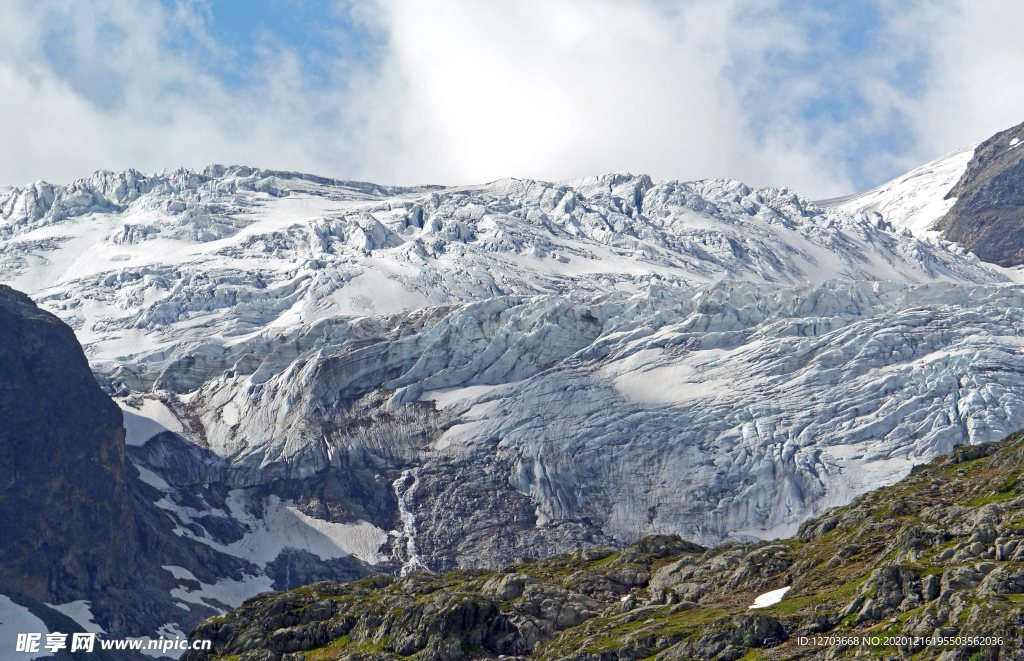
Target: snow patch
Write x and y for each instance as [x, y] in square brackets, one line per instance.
[446, 397]
[15, 619]
[465, 432]
[180, 573]
[672, 384]
[152, 479]
[770, 598]
[650, 377]
[168, 631]
[915, 200]
[79, 611]
[283, 526]
[375, 293]
[149, 419]
[139, 429]
[226, 591]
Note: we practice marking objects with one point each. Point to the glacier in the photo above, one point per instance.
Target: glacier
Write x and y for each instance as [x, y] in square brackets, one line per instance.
[916, 200]
[552, 364]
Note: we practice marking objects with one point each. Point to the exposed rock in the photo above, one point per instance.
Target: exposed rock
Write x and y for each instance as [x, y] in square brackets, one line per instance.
[77, 522]
[764, 563]
[865, 577]
[1003, 580]
[65, 509]
[931, 587]
[988, 217]
[663, 546]
[894, 588]
[294, 568]
[961, 578]
[672, 574]
[559, 606]
[508, 586]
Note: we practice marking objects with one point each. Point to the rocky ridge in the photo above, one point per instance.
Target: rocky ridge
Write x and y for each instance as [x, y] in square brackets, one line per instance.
[85, 547]
[972, 196]
[988, 216]
[915, 201]
[940, 554]
[68, 522]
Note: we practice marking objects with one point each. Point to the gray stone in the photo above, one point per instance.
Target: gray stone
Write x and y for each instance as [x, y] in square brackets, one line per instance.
[1004, 580]
[961, 578]
[508, 586]
[987, 216]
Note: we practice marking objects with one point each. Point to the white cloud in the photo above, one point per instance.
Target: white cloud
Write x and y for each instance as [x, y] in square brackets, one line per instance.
[552, 89]
[975, 87]
[473, 90]
[130, 98]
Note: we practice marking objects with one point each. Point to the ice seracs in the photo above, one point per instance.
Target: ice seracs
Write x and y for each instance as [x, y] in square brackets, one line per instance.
[628, 356]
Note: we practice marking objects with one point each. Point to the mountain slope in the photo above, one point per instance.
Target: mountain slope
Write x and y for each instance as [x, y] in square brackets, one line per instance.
[63, 528]
[916, 201]
[933, 564]
[84, 546]
[319, 375]
[988, 217]
[972, 197]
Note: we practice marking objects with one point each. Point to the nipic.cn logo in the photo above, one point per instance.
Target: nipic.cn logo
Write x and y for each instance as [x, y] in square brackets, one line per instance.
[33, 643]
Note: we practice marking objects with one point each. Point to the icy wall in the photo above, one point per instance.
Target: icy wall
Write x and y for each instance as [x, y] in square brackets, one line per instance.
[559, 364]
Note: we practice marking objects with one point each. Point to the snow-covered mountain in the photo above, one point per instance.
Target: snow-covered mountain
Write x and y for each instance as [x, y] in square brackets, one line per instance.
[972, 196]
[354, 249]
[915, 201]
[459, 376]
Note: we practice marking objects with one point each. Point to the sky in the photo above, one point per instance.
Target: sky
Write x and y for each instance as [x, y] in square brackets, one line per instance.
[827, 97]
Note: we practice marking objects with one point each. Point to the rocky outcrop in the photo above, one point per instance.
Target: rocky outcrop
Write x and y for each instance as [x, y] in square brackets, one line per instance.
[76, 521]
[898, 568]
[988, 216]
[66, 513]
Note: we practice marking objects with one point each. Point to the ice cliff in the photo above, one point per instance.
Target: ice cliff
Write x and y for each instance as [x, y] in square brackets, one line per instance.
[557, 364]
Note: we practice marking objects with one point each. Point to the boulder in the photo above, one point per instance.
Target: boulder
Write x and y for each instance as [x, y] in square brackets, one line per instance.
[507, 587]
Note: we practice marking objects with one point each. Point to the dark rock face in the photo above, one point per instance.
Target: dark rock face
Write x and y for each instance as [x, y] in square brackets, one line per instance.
[76, 522]
[469, 514]
[988, 217]
[294, 568]
[67, 523]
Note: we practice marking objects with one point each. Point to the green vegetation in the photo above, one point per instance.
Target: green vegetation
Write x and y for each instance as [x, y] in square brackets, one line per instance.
[935, 555]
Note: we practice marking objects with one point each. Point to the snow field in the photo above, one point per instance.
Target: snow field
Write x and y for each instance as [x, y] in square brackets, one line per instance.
[15, 619]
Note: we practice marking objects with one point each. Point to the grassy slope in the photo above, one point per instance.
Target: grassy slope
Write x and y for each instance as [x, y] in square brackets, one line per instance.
[932, 555]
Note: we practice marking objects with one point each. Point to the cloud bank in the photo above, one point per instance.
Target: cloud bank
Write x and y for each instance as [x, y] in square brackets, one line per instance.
[825, 97]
